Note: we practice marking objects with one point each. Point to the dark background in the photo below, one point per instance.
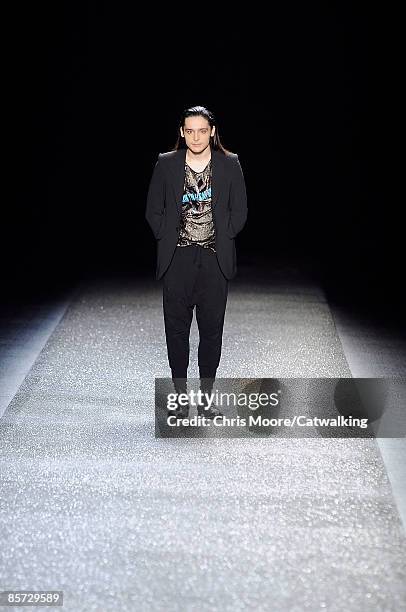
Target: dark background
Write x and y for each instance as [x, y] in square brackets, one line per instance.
[94, 92]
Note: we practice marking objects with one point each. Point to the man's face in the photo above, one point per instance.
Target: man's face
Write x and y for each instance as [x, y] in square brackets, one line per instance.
[197, 133]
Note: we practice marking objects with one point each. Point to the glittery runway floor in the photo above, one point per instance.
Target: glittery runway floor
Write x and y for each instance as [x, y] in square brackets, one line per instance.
[94, 505]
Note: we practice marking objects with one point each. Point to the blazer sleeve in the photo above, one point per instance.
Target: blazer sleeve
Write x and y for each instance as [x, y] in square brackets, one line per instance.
[238, 200]
[155, 208]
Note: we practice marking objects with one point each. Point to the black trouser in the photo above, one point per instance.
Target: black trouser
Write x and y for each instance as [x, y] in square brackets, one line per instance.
[194, 278]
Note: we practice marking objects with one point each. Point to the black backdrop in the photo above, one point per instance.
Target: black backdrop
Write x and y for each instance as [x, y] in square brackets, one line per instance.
[94, 93]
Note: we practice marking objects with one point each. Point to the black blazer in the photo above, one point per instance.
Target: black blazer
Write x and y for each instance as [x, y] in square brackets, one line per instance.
[229, 206]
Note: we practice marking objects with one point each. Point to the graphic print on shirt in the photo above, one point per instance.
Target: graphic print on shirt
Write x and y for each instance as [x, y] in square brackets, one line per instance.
[197, 226]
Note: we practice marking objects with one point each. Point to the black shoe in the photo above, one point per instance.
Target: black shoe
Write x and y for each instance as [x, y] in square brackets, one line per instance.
[209, 413]
[181, 411]
[179, 414]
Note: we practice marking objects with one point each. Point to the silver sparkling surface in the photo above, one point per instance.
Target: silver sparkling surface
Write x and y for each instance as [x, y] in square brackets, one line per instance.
[94, 505]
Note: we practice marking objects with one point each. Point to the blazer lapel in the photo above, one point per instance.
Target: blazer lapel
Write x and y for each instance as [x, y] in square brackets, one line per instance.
[217, 179]
[179, 176]
[217, 164]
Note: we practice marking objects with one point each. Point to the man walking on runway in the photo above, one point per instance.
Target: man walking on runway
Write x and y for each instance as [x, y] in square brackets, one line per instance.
[196, 206]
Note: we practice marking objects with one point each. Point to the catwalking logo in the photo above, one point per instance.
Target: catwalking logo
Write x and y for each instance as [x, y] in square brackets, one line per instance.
[288, 407]
[253, 401]
[258, 420]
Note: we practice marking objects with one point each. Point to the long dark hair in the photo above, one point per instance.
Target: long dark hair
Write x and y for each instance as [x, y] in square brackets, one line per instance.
[215, 141]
